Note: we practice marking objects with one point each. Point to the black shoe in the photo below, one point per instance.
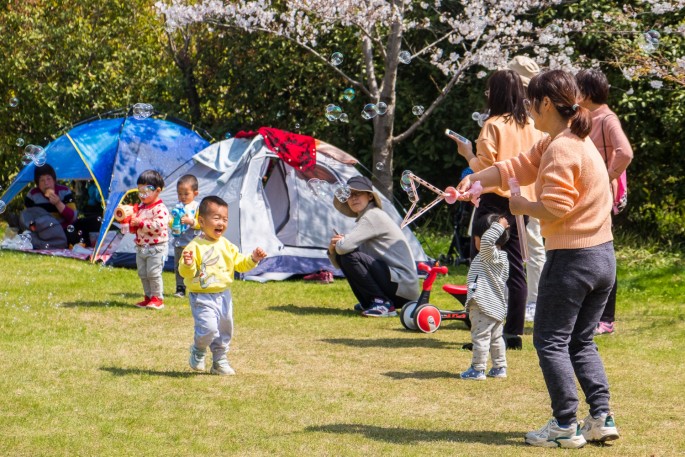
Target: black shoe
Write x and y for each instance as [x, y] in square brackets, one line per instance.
[180, 292]
[513, 342]
[468, 346]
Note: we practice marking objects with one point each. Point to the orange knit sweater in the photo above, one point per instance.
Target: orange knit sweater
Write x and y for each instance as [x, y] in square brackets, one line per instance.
[572, 183]
[501, 140]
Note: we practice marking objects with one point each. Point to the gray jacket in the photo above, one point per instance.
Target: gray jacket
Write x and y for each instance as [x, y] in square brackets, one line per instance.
[377, 235]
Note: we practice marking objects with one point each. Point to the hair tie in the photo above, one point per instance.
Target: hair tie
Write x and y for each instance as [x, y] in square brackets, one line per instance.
[575, 107]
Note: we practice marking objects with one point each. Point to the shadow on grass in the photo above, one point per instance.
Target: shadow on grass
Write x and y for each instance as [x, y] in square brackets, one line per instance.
[311, 310]
[117, 371]
[100, 304]
[419, 374]
[402, 435]
[392, 343]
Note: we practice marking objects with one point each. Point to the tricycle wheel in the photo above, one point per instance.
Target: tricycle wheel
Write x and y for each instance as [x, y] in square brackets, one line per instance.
[427, 318]
[407, 315]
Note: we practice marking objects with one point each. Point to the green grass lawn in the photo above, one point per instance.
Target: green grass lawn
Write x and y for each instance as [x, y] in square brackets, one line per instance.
[84, 373]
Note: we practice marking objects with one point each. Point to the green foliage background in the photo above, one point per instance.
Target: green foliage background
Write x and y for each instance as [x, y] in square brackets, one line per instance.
[67, 61]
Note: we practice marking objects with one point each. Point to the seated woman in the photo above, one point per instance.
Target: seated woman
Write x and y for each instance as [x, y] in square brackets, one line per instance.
[375, 255]
[55, 199]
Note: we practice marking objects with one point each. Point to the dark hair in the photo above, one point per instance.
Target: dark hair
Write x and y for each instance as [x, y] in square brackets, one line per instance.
[211, 199]
[560, 87]
[151, 178]
[188, 179]
[42, 171]
[483, 223]
[594, 85]
[506, 95]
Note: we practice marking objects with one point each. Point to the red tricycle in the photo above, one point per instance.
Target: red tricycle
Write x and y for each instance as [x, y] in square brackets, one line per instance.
[421, 315]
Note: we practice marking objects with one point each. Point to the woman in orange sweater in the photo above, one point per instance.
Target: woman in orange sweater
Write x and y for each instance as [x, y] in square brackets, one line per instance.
[573, 206]
[506, 133]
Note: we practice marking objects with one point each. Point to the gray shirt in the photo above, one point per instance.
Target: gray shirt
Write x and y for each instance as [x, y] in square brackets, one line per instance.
[377, 235]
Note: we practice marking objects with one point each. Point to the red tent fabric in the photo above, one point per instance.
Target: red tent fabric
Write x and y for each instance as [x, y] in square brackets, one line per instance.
[296, 150]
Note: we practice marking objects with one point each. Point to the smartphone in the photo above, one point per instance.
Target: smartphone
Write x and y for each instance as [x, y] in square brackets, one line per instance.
[454, 134]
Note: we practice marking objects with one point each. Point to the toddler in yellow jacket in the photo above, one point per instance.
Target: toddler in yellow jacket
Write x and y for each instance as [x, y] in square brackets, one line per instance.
[207, 266]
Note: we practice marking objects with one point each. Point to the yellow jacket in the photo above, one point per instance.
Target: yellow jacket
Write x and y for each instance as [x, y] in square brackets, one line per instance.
[214, 265]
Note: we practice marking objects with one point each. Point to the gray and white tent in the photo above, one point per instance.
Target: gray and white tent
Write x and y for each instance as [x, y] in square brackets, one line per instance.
[272, 206]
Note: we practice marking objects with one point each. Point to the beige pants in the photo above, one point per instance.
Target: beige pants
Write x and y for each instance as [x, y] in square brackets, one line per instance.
[150, 263]
[486, 336]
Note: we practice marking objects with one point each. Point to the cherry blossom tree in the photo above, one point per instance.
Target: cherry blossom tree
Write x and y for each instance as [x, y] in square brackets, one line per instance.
[454, 36]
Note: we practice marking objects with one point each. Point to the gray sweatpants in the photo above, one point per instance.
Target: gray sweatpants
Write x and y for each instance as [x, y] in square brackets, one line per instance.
[150, 263]
[486, 336]
[573, 289]
[213, 316]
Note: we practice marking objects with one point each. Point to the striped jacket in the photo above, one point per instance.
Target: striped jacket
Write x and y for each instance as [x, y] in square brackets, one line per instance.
[488, 276]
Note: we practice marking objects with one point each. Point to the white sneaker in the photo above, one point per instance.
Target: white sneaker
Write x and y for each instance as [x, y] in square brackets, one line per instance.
[551, 435]
[222, 367]
[197, 359]
[530, 312]
[600, 429]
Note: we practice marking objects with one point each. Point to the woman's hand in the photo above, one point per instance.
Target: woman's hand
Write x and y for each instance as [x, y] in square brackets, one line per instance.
[518, 205]
[334, 241]
[463, 188]
[465, 149]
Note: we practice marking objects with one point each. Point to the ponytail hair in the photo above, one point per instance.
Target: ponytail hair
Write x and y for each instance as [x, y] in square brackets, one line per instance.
[560, 87]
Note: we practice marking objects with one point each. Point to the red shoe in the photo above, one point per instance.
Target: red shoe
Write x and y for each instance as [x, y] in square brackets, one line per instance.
[155, 303]
[323, 276]
[144, 303]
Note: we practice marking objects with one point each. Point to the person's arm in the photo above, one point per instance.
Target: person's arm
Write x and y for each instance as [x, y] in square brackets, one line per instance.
[364, 230]
[190, 259]
[488, 250]
[623, 152]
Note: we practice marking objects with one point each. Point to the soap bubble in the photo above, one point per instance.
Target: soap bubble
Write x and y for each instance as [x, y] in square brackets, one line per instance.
[318, 188]
[228, 136]
[649, 41]
[480, 117]
[405, 181]
[336, 58]
[344, 118]
[349, 94]
[380, 166]
[417, 110]
[382, 108]
[20, 142]
[405, 57]
[27, 159]
[3, 206]
[333, 112]
[14, 102]
[342, 193]
[297, 126]
[370, 111]
[70, 228]
[142, 111]
[40, 157]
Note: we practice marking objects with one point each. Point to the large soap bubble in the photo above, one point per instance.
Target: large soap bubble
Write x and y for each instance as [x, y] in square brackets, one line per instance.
[370, 111]
[142, 111]
[336, 58]
[405, 57]
[349, 94]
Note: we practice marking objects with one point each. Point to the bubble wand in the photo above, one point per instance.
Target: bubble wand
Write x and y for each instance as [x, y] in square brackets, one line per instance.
[520, 223]
[410, 183]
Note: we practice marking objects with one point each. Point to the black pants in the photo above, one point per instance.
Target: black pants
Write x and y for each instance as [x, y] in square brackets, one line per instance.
[518, 289]
[369, 278]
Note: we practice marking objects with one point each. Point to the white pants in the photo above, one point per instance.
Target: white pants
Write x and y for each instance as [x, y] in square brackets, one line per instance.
[536, 258]
[213, 316]
[486, 336]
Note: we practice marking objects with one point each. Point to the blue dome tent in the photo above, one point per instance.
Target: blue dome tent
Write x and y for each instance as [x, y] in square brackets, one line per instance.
[113, 152]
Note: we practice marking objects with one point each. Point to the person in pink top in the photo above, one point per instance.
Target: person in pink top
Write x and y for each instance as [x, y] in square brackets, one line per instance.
[613, 145]
[573, 205]
[151, 224]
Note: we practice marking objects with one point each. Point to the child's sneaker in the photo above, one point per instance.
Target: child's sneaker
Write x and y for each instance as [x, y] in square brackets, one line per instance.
[552, 435]
[600, 429]
[530, 312]
[155, 303]
[143, 303]
[180, 292]
[197, 359]
[473, 375]
[604, 328]
[500, 372]
[380, 308]
[222, 367]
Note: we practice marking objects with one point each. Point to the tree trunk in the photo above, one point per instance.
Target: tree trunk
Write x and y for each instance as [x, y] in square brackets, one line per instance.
[382, 148]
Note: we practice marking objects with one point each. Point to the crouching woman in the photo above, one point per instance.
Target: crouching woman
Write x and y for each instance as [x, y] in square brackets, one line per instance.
[375, 255]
